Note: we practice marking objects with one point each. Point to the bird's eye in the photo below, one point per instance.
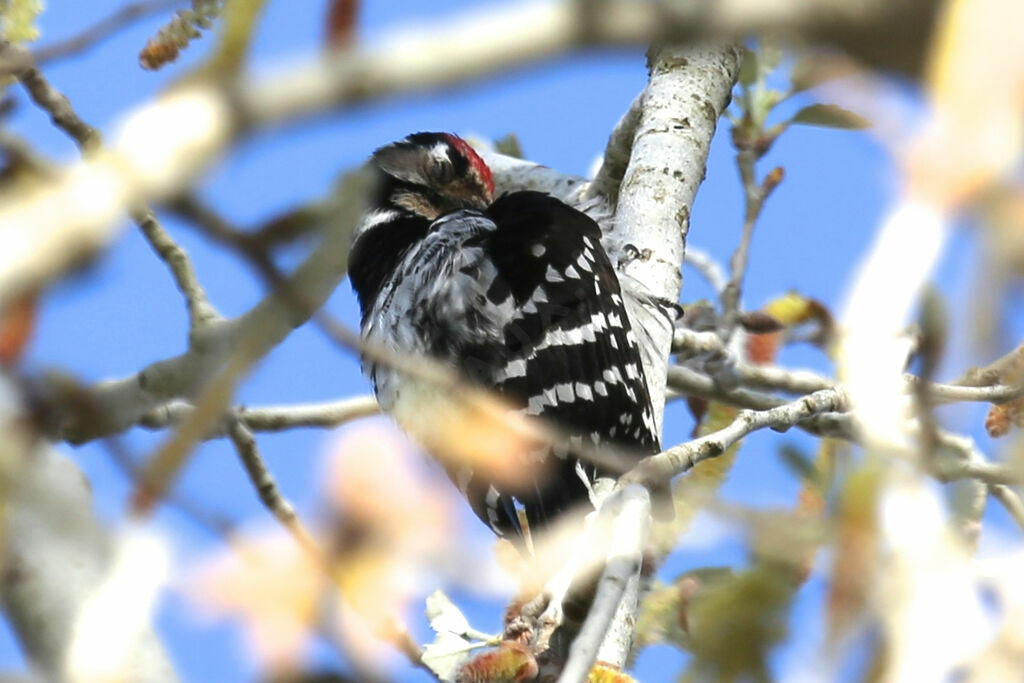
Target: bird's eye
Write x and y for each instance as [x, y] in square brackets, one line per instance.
[442, 171]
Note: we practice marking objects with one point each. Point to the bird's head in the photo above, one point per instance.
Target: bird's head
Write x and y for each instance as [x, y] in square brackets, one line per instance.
[430, 174]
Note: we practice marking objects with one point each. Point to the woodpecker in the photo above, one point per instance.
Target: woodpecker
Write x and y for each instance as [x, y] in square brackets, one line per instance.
[516, 293]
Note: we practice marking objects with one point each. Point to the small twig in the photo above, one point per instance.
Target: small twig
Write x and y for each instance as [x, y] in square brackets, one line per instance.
[200, 310]
[211, 223]
[951, 393]
[689, 342]
[678, 459]
[974, 465]
[266, 487]
[780, 379]
[54, 102]
[993, 372]
[756, 195]
[710, 269]
[89, 140]
[617, 154]
[102, 29]
[271, 418]
[1009, 499]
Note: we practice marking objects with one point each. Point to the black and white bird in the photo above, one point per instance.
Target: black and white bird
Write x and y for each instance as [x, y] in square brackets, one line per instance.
[518, 294]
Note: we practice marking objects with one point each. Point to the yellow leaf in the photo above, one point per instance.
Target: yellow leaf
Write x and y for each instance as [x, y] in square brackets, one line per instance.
[19, 20]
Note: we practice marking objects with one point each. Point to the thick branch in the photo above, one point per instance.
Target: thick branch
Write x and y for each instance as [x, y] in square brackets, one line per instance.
[164, 145]
[57, 555]
[688, 90]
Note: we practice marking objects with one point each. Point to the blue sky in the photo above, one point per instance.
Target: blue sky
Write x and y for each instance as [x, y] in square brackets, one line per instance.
[124, 312]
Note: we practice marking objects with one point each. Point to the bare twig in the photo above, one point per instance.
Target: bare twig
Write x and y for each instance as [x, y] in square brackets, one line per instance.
[689, 342]
[266, 487]
[972, 463]
[200, 311]
[755, 195]
[102, 29]
[1009, 500]
[616, 155]
[89, 140]
[679, 459]
[710, 270]
[993, 372]
[53, 102]
[272, 418]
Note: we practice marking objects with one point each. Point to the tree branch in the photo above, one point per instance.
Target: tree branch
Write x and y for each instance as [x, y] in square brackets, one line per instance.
[88, 139]
[102, 29]
[266, 487]
[201, 312]
[630, 507]
[166, 143]
[678, 459]
[57, 555]
[709, 269]
[125, 401]
[272, 418]
[617, 154]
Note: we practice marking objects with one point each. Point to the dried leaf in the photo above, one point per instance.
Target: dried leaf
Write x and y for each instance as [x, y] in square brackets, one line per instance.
[759, 322]
[664, 612]
[762, 349]
[735, 623]
[510, 662]
[997, 422]
[792, 309]
[16, 325]
[175, 35]
[698, 409]
[509, 145]
[830, 116]
[341, 22]
[375, 482]
[812, 70]
[474, 430]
